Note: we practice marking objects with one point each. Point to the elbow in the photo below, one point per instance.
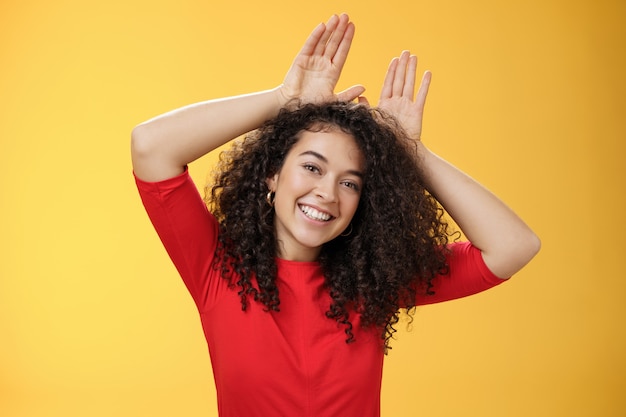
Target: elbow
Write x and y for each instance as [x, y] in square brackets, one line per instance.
[536, 245]
[532, 246]
[145, 150]
[149, 154]
[140, 147]
[144, 153]
[528, 247]
[513, 254]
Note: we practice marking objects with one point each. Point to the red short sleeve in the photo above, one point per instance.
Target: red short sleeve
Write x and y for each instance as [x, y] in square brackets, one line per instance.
[188, 232]
[468, 274]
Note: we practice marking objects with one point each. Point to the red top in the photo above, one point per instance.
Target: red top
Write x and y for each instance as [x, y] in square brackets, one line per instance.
[295, 362]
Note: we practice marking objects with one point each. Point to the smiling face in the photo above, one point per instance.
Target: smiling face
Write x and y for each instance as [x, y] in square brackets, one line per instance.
[317, 192]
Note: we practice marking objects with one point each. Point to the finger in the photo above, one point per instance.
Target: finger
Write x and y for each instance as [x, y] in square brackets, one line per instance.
[420, 100]
[341, 55]
[387, 88]
[337, 37]
[363, 100]
[331, 25]
[351, 93]
[409, 78]
[313, 40]
[398, 81]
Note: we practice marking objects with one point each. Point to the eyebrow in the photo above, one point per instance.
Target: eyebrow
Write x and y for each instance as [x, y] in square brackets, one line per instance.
[325, 160]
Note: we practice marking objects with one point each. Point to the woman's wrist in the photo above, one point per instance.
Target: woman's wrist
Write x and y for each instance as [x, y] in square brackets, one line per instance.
[283, 96]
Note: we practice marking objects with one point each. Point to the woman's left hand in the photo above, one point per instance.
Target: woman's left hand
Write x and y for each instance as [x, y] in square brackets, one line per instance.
[397, 94]
[505, 241]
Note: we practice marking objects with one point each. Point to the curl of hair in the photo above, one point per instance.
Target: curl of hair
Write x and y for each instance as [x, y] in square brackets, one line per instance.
[399, 233]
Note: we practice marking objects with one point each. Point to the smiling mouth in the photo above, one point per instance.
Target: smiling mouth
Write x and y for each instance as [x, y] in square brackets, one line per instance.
[314, 214]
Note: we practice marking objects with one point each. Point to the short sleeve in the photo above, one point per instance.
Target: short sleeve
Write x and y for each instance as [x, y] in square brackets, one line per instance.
[468, 274]
[187, 230]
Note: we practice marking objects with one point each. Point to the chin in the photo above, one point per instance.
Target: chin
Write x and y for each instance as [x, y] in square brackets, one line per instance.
[308, 242]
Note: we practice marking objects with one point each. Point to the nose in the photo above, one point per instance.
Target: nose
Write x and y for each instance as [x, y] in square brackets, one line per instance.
[326, 190]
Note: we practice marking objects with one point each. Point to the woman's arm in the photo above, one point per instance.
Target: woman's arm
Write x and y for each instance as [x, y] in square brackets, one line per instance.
[161, 147]
[506, 242]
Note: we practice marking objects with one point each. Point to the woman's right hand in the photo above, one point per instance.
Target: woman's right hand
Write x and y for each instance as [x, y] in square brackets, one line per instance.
[316, 69]
[164, 145]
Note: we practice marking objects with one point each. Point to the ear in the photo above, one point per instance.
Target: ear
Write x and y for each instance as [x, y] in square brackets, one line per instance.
[272, 182]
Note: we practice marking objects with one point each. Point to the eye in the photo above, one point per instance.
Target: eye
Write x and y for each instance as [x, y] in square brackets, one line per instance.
[352, 185]
[311, 168]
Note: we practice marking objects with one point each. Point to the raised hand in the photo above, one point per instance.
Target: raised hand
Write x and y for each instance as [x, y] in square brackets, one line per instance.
[397, 94]
[316, 69]
[166, 144]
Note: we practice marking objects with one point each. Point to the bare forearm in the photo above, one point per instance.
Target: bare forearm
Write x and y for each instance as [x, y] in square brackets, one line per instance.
[162, 146]
[506, 242]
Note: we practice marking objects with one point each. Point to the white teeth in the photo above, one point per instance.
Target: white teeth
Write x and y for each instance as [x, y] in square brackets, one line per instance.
[315, 214]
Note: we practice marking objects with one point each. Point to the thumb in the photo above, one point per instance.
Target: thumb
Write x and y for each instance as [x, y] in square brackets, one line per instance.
[364, 100]
[351, 93]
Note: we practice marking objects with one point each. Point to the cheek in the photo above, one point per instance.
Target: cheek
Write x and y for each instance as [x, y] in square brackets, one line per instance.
[351, 204]
[293, 185]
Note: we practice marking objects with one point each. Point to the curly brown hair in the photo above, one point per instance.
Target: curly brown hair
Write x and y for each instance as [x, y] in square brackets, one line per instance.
[399, 235]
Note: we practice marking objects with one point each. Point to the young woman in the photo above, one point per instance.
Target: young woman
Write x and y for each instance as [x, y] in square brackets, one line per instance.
[321, 224]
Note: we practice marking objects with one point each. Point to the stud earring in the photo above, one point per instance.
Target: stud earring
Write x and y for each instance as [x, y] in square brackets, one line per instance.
[271, 195]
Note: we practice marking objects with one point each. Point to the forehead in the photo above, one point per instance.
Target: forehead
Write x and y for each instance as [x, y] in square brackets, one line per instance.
[334, 144]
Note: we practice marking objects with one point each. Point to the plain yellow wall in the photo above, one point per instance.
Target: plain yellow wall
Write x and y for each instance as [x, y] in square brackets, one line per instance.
[527, 96]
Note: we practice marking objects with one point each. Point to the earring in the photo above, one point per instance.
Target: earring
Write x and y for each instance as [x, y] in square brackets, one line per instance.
[271, 195]
[344, 234]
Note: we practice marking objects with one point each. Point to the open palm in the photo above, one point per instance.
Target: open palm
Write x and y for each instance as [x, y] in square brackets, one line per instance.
[316, 69]
[397, 94]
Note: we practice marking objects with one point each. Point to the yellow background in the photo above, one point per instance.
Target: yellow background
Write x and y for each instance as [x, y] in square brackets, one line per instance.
[527, 96]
